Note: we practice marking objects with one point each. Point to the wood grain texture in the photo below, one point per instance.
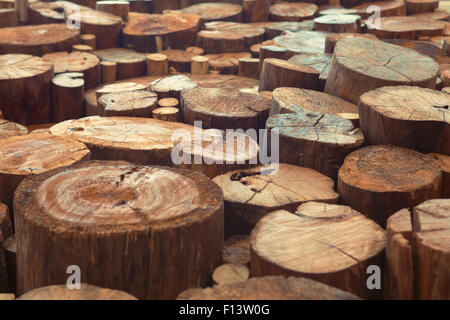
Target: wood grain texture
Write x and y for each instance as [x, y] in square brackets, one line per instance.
[302, 42]
[288, 11]
[215, 11]
[387, 8]
[407, 28]
[11, 129]
[138, 103]
[345, 23]
[443, 162]
[130, 64]
[332, 39]
[236, 249]
[67, 96]
[172, 86]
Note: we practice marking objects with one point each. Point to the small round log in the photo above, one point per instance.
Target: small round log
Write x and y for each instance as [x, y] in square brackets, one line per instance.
[169, 103]
[338, 245]
[166, 113]
[248, 67]
[236, 249]
[212, 11]
[119, 87]
[172, 86]
[67, 96]
[230, 273]
[130, 64]
[199, 65]
[270, 51]
[345, 23]
[157, 64]
[226, 63]
[11, 129]
[82, 48]
[287, 11]
[89, 40]
[380, 180]
[138, 103]
[109, 71]
[180, 60]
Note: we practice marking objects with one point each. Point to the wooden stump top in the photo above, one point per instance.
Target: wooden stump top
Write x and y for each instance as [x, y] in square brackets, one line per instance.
[427, 48]
[302, 41]
[292, 11]
[159, 24]
[213, 11]
[11, 129]
[120, 55]
[132, 103]
[387, 8]
[20, 66]
[72, 62]
[407, 27]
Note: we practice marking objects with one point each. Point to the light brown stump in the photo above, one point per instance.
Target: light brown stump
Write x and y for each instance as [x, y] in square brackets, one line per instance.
[360, 65]
[199, 65]
[406, 116]
[332, 39]
[287, 11]
[92, 208]
[166, 114]
[117, 8]
[89, 40]
[226, 63]
[119, 87]
[157, 64]
[211, 11]
[253, 193]
[130, 64]
[318, 61]
[179, 60]
[387, 8]
[169, 103]
[67, 96]
[270, 51]
[345, 23]
[248, 67]
[230, 273]
[172, 86]
[329, 243]
[109, 71]
[302, 42]
[380, 180]
[419, 6]
[256, 10]
[138, 103]
[11, 129]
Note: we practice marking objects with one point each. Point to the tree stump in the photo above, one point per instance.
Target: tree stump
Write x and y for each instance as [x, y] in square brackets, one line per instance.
[117, 8]
[38, 40]
[83, 62]
[315, 140]
[25, 88]
[426, 48]
[321, 62]
[271, 51]
[226, 63]
[230, 273]
[344, 23]
[407, 28]
[82, 48]
[406, 116]
[420, 6]
[119, 87]
[89, 40]
[287, 11]
[180, 60]
[212, 11]
[157, 64]
[248, 67]
[169, 103]
[86, 292]
[224, 108]
[380, 180]
[236, 249]
[9, 18]
[27, 155]
[332, 39]
[166, 113]
[443, 162]
[288, 100]
[138, 103]
[302, 42]
[156, 32]
[172, 86]
[277, 28]
[360, 65]
[269, 288]
[109, 71]
[435, 15]
[337, 243]
[11, 129]
[256, 10]
[130, 64]
[222, 37]
[67, 96]
[142, 6]
[127, 247]
[277, 73]
[199, 65]
[387, 8]
[253, 193]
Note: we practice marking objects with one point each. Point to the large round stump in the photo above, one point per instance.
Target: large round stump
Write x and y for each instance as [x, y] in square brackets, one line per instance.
[292, 11]
[269, 288]
[77, 61]
[124, 225]
[380, 180]
[25, 88]
[329, 243]
[86, 292]
[224, 108]
[38, 40]
[314, 139]
[130, 63]
[360, 65]
[302, 42]
[156, 32]
[410, 117]
[11, 129]
[252, 193]
[31, 154]
[215, 12]
[139, 103]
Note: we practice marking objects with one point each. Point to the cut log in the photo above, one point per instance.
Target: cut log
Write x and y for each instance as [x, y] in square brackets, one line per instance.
[199, 65]
[82, 48]
[236, 249]
[253, 193]
[315, 140]
[332, 39]
[156, 32]
[142, 6]
[435, 15]
[269, 288]
[248, 67]
[277, 73]
[27, 155]
[160, 6]
[321, 62]
[230, 273]
[380, 180]
[68, 96]
[387, 8]
[172, 86]
[406, 116]
[86, 292]
[122, 238]
[419, 6]
[271, 51]
[407, 28]
[25, 88]
[288, 100]
[10, 250]
[222, 37]
[256, 10]
[226, 63]
[7, 296]
[130, 64]
[180, 60]
[167, 113]
[109, 71]
[287, 11]
[196, 50]
[424, 47]
[344, 23]
[157, 64]
[224, 108]
[38, 40]
[169, 103]
[213, 11]
[278, 28]
[360, 65]
[138, 103]
[336, 10]
[9, 18]
[83, 62]
[89, 40]
[119, 87]
[11, 129]
[302, 42]
[117, 8]
[443, 162]
[337, 244]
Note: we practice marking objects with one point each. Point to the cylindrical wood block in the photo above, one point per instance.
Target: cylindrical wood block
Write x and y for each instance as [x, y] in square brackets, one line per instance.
[82, 48]
[89, 40]
[22, 10]
[137, 103]
[68, 96]
[157, 64]
[199, 65]
[166, 113]
[109, 71]
[118, 8]
[256, 10]
[169, 103]
[248, 67]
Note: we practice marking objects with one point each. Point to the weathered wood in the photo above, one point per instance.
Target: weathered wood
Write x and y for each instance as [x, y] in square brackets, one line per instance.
[169, 103]
[277, 73]
[318, 61]
[269, 288]
[226, 63]
[277, 28]
[156, 32]
[215, 11]
[130, 64]
[117, 8]
[82, 48]
[253, 193]
[230, 273]
[406, 116]
[344, 23]
[319, 229]
[86, 292]
[25, 88]
[11, 129]
[119, 87]
[360, 65]
[427, 48]
[122, 238]
[236, 249]
[387, 8]
[256, 10]
[166, 113]
[380, 180]
[157, 64]
[224, 108]
[271, 51]
[109, 71]
[9, 18]
[419, 6]
[67, 96]
[302, 42]
[435, 15]
[315, 140]
[288, 11]
[443, 162]
[172, 86]
[138, 103]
